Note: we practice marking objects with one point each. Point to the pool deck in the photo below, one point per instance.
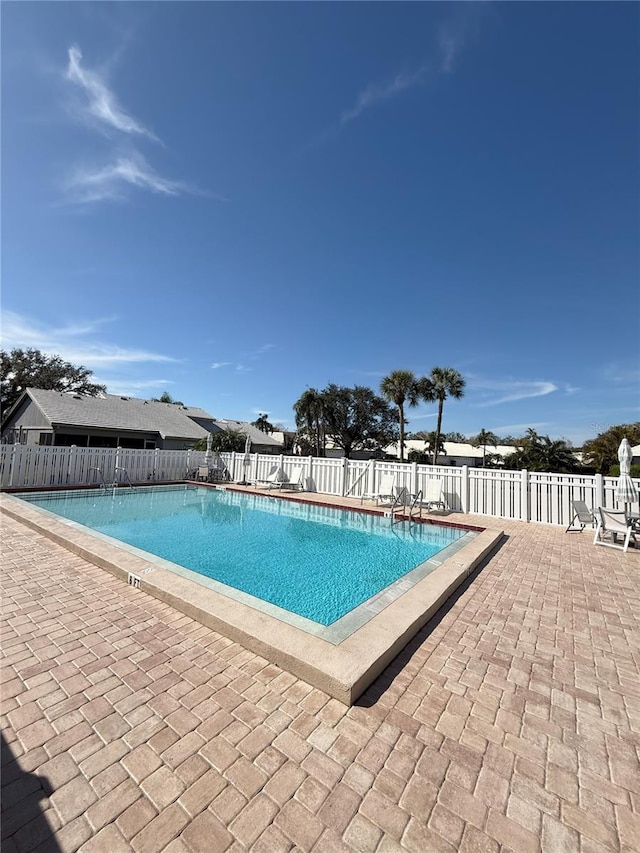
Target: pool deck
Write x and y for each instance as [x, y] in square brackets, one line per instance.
[511, 721]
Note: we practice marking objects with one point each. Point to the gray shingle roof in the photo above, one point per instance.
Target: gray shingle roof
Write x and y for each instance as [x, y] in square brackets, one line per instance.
[109, 411]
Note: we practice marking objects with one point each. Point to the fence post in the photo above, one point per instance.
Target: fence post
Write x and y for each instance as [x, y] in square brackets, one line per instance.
[414, 478]
[345, 467]
[598, 496]
[11, 464]
[525, 498]
[310, 472]
[464, 489]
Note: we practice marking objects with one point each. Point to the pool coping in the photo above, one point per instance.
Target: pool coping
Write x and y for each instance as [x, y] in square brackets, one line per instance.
[343, 671]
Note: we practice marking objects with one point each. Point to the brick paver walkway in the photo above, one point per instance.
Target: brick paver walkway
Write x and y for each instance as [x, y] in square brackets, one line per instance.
[512, 722]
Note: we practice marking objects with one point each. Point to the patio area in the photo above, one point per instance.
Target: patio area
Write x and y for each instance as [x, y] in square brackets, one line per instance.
[510, 722]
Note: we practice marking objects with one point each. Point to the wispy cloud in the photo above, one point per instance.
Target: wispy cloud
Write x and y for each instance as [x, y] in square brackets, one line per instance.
[112, 181]
[123, 169]
[378, 93]
[102, 102]
[218, 364]
[72, 343]
[511, 390]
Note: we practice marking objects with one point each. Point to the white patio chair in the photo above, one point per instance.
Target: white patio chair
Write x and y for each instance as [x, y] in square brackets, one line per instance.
[583, 515]
[613, 523]
[434, 495]
[386, 490]
[295, 479]
[275, 479]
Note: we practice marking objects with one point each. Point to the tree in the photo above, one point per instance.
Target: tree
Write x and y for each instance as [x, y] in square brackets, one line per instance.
[484, 438]
[458, 437]
[445, 382]
[602, 451]
[30, 368]
[435, 444]
[224, 441]
[165, 397]
[400, 387]
[262, 423]
[357, 419]
[541, 453]
[309, 409]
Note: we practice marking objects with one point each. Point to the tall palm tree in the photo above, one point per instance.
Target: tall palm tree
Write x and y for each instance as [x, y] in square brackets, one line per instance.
[309, 409]
[401, 387]
[484, 438]
[445, 382]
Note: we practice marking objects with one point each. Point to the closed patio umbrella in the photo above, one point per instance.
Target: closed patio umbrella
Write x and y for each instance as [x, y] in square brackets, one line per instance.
[246, 462]
[207, 456]
[626, 492]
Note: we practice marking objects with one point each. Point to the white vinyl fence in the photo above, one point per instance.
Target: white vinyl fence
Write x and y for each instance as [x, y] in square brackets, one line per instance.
[521, 495]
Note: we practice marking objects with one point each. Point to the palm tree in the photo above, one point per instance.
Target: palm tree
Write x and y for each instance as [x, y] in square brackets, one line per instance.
[262, 423]
[401, 387]
[309, 409]
[445, 382]
[484, 438]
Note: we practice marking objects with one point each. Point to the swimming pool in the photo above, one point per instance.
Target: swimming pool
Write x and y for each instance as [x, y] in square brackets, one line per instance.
[317, 562]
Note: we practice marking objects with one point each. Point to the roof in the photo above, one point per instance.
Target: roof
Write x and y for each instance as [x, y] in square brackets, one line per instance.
[109, 411]
[454, 448]
[256, 435]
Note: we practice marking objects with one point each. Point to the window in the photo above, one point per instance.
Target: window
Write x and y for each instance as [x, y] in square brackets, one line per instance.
[46, 439]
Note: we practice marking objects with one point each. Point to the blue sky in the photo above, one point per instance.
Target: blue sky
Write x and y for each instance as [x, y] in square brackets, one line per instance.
[232, 202]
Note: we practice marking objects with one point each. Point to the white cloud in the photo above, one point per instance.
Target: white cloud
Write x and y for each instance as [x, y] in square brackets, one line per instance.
[111, 182]
[103, 104]
[377, 93]
[218, 364]
[508, 391]
[71, 343]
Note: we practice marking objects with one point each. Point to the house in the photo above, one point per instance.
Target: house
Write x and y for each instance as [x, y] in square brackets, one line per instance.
[64, 418]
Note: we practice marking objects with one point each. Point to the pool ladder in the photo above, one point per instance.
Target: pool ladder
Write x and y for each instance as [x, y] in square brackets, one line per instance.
[117, 482]
[401, 501]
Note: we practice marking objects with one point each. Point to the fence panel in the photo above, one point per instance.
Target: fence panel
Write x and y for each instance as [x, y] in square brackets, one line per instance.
[451, 477]
[496, 493]
[551, 496]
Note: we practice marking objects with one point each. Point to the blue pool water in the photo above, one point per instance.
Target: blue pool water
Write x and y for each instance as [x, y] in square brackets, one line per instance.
[318, 562]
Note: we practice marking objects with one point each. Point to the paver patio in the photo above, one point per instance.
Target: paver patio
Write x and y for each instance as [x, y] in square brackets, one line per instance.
[511, 721]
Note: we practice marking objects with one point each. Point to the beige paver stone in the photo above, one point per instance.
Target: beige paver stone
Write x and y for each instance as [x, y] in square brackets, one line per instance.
[253, 820]
[162, 787]
[161, 830]
[201, 793]
[135, 818]
[141, 762]
[108, 840]
[73, 798]
[206, 832]
[298, 824]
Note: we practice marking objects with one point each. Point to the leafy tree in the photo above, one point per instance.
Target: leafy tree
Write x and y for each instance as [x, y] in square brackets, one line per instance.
[602, 451]
[225, 441]
[455, 436]
[445, 382]
[309, 411]
[541, 453]
[262, 423]
[30, 368]
[435, 444]
[400, 387]
[483, 439]
[357, 419]
[165, 397]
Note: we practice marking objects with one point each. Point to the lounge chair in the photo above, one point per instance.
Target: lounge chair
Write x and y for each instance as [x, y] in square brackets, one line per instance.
[274, 479]
[294, 480]
[613, 523]
[202, 474]
[583, 515]
[433, 495]
[386, 490]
